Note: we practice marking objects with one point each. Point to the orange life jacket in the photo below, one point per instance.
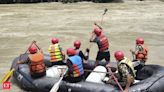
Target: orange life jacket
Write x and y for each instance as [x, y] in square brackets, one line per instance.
[104, 44]
[37, 64]
[142, 54]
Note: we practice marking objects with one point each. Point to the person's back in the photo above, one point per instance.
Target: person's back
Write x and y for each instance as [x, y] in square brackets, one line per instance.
[102, 42]
[75, 66]
[125, 66]
[37, 66]
[56, 54]
[35, 61]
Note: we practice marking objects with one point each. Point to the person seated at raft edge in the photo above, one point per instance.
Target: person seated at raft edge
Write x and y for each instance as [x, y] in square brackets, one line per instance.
[75, 67]
[103, 45]
[126, 73]
[140, 54]
[56, 54]
[36, 62]
[77, 45]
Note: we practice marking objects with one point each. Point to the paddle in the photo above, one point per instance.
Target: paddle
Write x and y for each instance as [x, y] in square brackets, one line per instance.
[105, 10]
[37, 46]
[115, 79]
[96, 71]
[56, 85]
[98, 25]
[8, 75]
[33, 42]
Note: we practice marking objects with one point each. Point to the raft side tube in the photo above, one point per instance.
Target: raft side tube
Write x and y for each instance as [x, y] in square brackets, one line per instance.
[86, 87]
[152, 80]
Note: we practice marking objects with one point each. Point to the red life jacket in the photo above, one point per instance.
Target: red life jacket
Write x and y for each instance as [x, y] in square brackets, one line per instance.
[142, 54]
[104, 44]
[37, 64]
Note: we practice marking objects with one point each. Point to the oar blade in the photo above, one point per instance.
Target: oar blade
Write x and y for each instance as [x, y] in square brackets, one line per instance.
[7, 76]
[56, 85]
[105, 10]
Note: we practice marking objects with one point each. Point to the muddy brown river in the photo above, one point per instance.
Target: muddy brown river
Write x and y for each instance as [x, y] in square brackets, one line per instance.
[123, 23]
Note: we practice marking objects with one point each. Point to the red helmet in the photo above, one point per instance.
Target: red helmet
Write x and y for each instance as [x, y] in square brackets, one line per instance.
[54, 40]
[139, 41]
[119, 55]
[71, 51]
[32, 50]
[77, 44]
[97, 31]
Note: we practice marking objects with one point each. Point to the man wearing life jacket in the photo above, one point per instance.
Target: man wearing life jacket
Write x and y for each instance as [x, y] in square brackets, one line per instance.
[103, 45]
[77, 45]
[56, 54]
[126, 73]
[140, 52]
[75, 67]
[36, 62]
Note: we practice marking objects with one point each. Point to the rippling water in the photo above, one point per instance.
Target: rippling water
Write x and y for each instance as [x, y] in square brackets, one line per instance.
[22, 23]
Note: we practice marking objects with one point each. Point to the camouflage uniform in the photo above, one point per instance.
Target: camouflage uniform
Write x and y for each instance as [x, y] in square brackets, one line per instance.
[123, 72]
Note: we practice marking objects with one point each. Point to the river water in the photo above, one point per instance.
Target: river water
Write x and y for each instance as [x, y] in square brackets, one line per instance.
[123, 23]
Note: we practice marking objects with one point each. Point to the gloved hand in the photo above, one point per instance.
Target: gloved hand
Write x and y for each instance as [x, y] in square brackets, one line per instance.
[87, 50]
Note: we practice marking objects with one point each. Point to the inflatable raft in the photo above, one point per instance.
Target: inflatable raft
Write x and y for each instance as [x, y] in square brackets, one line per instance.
[151, 79]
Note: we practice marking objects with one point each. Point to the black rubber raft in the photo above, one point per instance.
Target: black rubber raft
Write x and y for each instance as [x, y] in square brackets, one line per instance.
[151, 76]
